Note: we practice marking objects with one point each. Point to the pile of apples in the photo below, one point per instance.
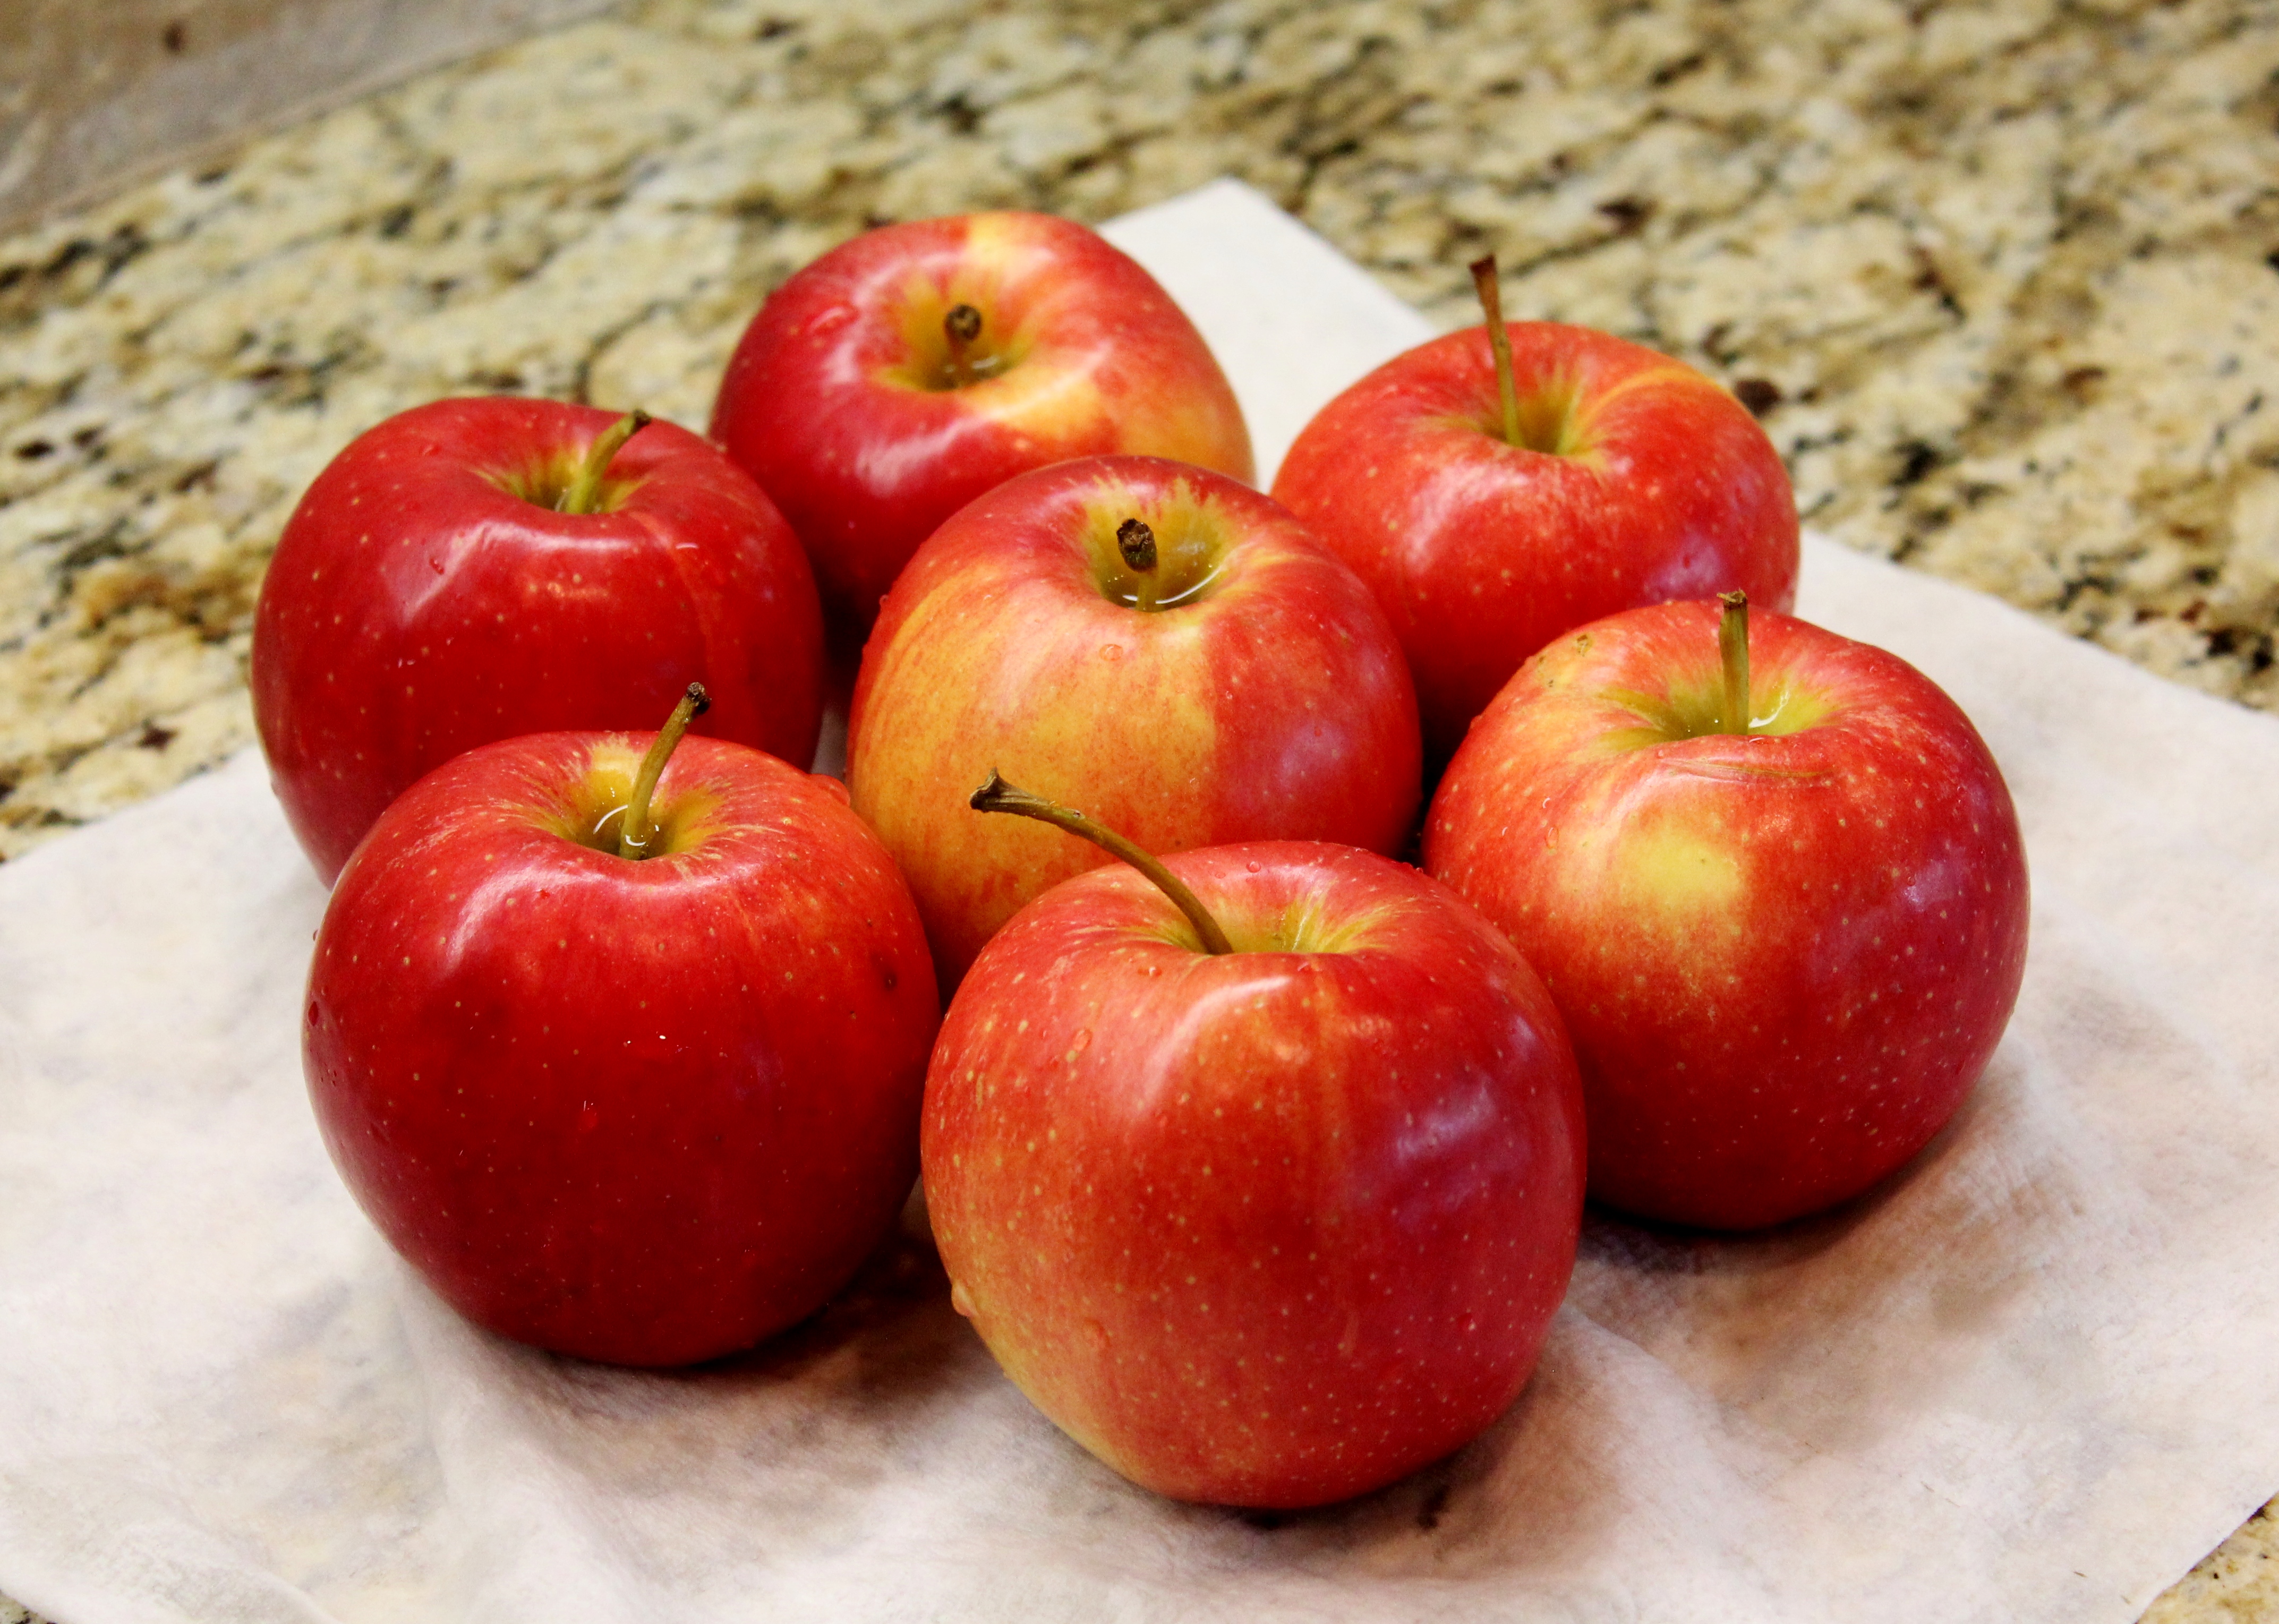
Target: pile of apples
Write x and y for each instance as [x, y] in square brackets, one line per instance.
[1256, 1156]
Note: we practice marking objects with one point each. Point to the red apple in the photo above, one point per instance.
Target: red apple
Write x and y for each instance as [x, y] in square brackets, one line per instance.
[427, 596]
[1784, 956]
[1270, 1227]
[1259, 694]
[910, 369]
[647, 1111]
[1627, 478]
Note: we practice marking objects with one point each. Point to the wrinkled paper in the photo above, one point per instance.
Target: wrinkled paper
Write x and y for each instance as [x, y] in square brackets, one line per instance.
[2030, 1378]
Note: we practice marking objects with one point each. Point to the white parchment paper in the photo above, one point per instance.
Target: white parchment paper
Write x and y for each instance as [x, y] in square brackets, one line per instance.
[2031, 1379]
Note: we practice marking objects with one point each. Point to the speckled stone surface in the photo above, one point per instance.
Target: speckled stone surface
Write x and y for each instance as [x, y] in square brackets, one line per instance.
[2002, 281]
[2236, 1583]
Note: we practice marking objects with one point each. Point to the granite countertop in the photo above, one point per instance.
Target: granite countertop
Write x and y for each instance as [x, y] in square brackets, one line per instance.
[2002, 281]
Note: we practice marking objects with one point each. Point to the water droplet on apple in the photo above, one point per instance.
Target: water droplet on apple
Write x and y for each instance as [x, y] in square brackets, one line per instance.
[1083, 1039]
[1254, 865]
[436, 564]
[1096, 1334]
[959, 1300]
[588, 1118]
[1111, 651]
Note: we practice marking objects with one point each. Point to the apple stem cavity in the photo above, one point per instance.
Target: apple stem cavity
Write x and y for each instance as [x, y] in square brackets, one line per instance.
[1490, 292]
[586, 489]
[1137, 543]
[961, 328]
[1733, 649]
[999, 796]
[633, 834]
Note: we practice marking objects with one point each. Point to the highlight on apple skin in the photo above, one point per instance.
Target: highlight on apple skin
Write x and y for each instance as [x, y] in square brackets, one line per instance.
[1272, 1227]
[430, 594]
[912, 368]
[1627, 478]
[648, 1110]
[1785, 951]
[1243, 686]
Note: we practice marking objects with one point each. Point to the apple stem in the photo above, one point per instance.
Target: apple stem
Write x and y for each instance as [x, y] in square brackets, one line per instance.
[1490, 292]
[961, 328]
[1733, 649]
[1137, 543]
[999, 796]
[585, 488]
[634, 832]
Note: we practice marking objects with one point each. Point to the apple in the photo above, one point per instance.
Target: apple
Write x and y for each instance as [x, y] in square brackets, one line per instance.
[641, 1099]
[1270, 1225]
[1776, 883]
[1237, 683]
[913, 368]
[1497, 493]
[471, 570]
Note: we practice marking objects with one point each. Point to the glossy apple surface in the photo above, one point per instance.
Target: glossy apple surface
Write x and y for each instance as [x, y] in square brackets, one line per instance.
[1785, 958]
[1637, 480]
[1269, 1227]
[843, 401]
[646, 1112]
[1266, 699]
[426, 598]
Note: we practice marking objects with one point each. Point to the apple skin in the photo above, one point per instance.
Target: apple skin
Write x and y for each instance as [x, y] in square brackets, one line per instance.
[1785, 959]
[645, 1112]
[1275, 705]
[1482, 552]
[420, 605]
[1273, 1228]
[838, 398]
